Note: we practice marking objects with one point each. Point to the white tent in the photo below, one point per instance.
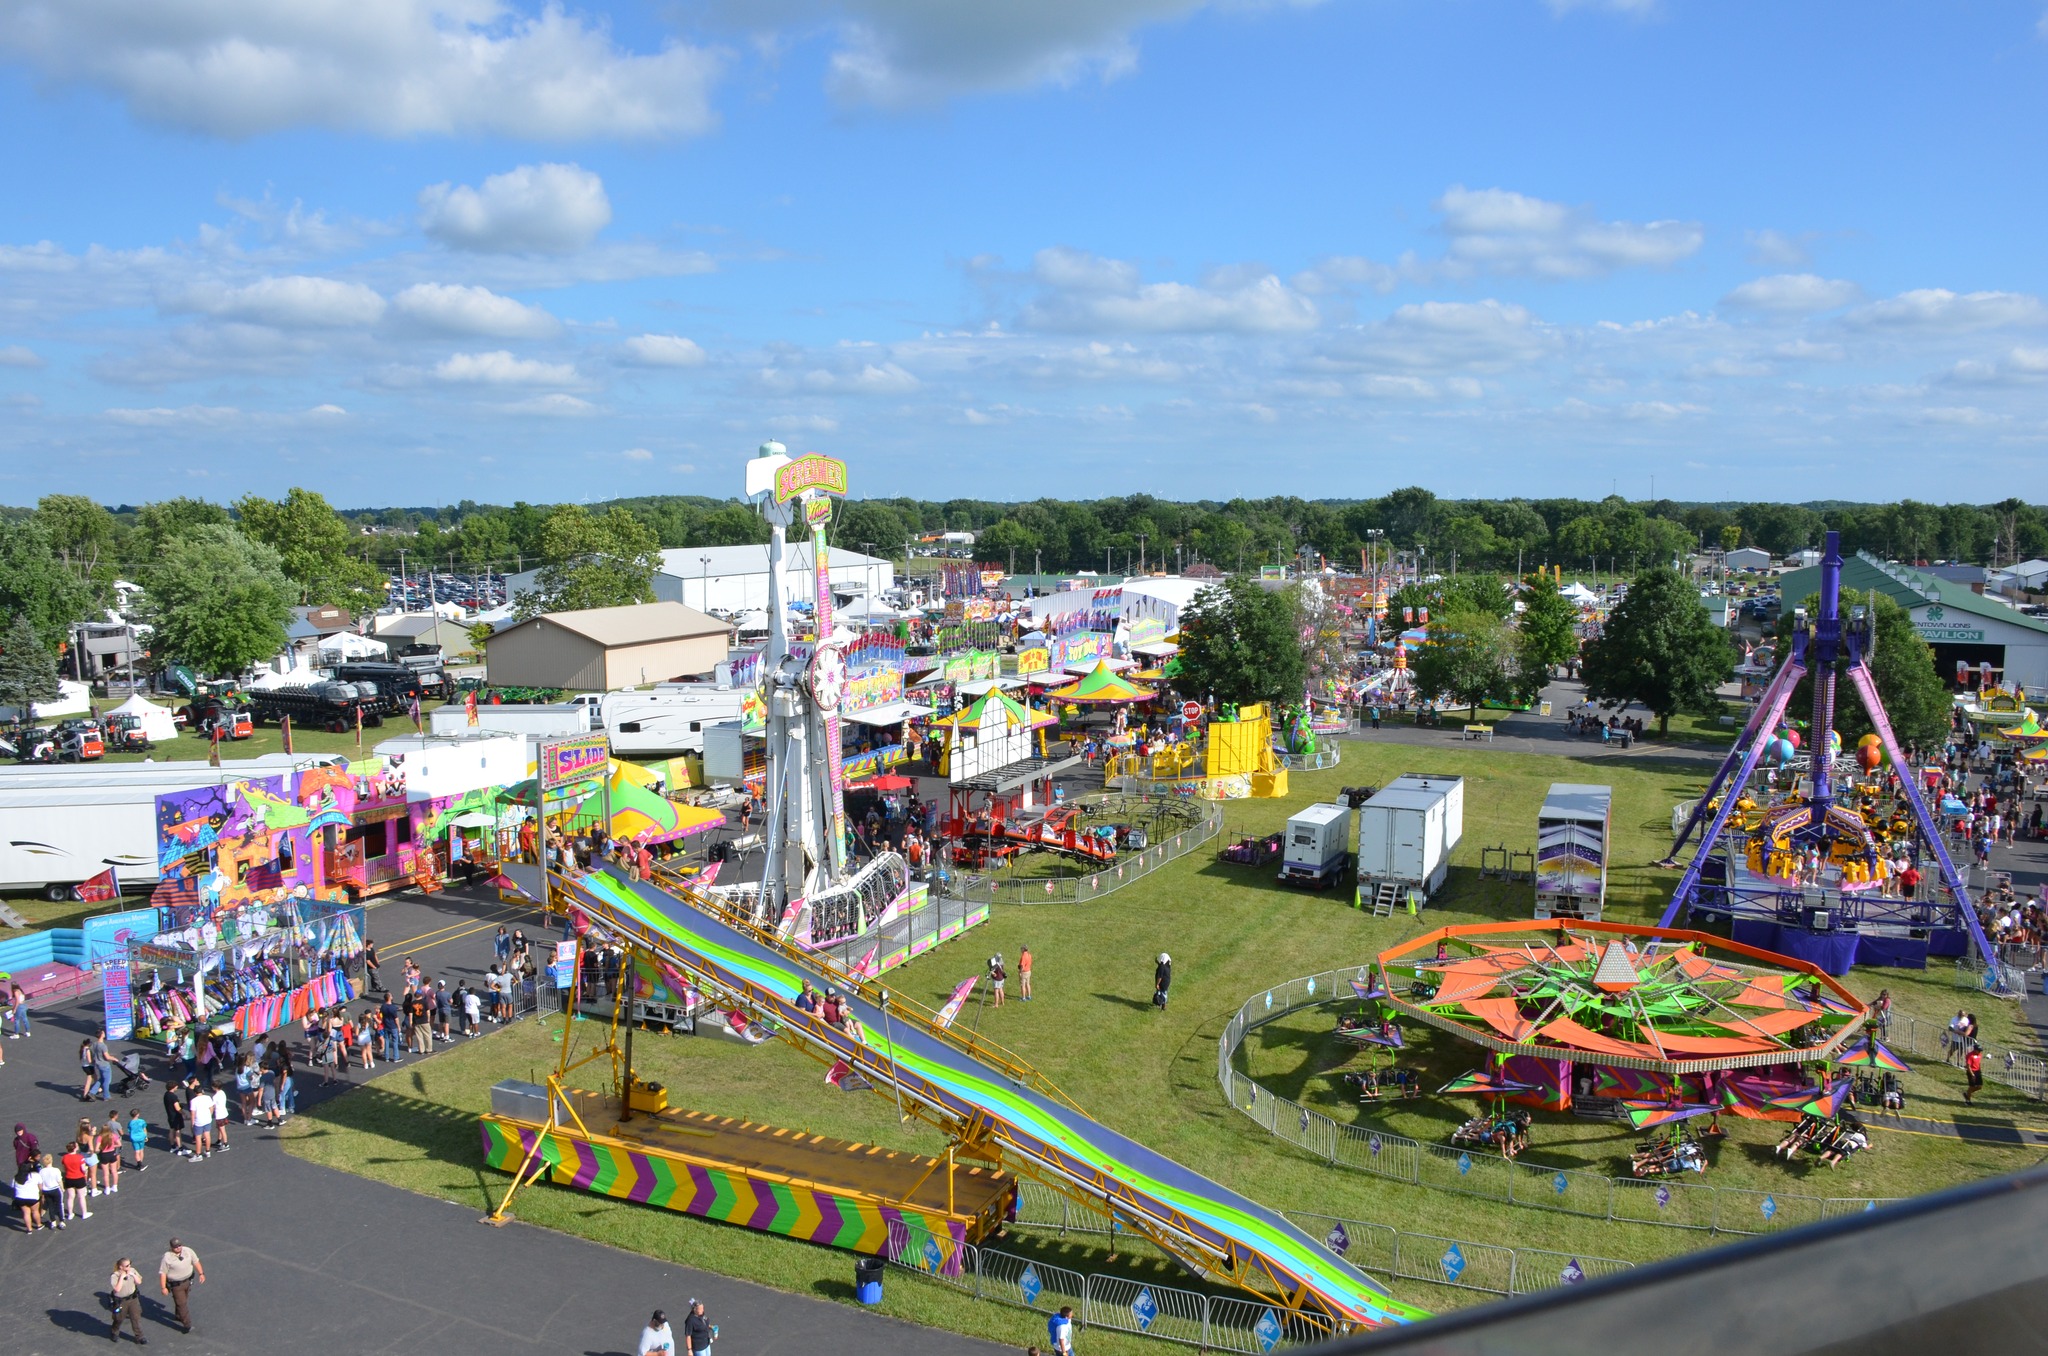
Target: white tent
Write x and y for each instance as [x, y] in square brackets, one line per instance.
[346, 645]
[1580, 594]
[156, 722]
[75, 699]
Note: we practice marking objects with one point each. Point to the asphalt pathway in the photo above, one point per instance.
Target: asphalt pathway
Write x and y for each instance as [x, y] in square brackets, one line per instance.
[1533, 732]
[300, 1256]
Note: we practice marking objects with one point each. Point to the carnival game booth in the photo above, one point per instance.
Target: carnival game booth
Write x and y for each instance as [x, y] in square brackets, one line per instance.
[1617, 1021]
[250, 967]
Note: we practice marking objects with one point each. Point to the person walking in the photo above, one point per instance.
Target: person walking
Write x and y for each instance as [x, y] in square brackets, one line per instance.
[175, 1274]
[138, 1136]
[125, 1287]
[1973, 1072]
[699, 1332]
[1162, 981]
[371, 984]
[17, 1012]
[657, 1338]
[1024, 974]
[1059, 1331]
[103, 1065]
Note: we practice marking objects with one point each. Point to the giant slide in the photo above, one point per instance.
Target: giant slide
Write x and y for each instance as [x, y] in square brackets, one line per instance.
[1246, 1243]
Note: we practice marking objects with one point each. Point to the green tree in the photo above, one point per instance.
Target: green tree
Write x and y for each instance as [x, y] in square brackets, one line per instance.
[316, 548]
[1549, 626]
[218, 601]
[1659, 649]
[863, 523]
[592, 561]
[1915, 698]
[82, 534]
[1471, 657]
[733, 525]
[158, 525]
[1240, 643]
[1731, 537]
[28, 668]
[34, 583]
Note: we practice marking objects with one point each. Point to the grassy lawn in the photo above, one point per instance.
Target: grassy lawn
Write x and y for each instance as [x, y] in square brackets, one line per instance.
[1707, 729]
[1232, 931]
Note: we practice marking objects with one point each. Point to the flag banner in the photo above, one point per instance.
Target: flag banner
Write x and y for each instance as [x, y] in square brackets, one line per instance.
[413, 709]
[957, 1001]
[100, 888]
[469, 706]
[284, 724]
[117, 1002]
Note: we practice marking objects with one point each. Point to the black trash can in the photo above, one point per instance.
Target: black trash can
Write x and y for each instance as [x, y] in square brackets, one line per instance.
[867, 1279]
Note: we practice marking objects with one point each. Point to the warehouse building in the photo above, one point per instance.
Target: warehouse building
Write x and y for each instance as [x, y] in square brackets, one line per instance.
[1964, 627]
[603, 648]
[734, 579]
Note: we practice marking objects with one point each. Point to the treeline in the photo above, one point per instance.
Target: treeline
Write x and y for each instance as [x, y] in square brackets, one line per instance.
[1062, 535]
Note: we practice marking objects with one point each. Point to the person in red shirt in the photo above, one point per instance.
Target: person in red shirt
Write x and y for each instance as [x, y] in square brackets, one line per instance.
[1909, 881]
[1973, 1071]
[73, 1166]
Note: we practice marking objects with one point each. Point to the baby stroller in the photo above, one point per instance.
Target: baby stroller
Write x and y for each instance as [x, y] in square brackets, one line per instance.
[132, 1075]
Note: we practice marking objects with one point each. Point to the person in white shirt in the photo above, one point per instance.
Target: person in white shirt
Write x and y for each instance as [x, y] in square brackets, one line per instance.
[220, 1119]
[656, 1339]
[202, 1124]
[472, 1012]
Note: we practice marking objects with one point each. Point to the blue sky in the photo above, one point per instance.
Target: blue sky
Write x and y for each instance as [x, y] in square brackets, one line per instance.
[411, 251]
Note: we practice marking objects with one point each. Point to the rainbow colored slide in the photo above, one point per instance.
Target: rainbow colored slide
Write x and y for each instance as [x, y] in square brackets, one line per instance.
[1244, 1242]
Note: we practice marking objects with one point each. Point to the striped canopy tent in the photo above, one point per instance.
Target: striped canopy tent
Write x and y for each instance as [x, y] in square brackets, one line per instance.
[1102, 687]
[641, 816]
[996, 707]
[1655, 1000]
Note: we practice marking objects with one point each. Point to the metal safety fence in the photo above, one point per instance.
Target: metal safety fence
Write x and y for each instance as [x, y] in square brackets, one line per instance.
[1329, 753]
[1176, 826]
[1670, 1202]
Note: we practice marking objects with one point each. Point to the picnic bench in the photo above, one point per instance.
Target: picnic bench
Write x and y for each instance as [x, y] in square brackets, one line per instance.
[1484, 732]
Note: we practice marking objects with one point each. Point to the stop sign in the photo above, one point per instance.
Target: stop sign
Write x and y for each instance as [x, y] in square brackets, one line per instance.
[1191, 711]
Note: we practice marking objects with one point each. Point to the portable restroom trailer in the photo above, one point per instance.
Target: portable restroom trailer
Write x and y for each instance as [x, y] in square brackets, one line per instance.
[1318, 847]
[1572, 831]
[1405, 837]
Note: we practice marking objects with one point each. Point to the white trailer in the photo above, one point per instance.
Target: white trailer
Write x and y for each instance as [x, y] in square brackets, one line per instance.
[1317, 847]
[1402, 857]
[1452, 788]
[668, 718]
[1572, 831]
[61, 826]
[534, 721]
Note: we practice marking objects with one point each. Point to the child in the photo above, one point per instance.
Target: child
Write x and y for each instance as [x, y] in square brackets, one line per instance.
[108, 1147]
[73, 1180]
[52, 1183]
[89, 1154]
[202, 1121]
[138, 1136]
[219, 1098]
[174, 1116]
[28, 1197]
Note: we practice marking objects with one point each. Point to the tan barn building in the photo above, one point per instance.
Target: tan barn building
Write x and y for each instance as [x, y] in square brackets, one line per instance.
[602, 648]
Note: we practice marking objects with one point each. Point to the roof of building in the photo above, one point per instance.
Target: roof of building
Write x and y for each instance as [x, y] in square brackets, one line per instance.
[692, 562]
[1909, 588]
[636, 624]
[413, 624]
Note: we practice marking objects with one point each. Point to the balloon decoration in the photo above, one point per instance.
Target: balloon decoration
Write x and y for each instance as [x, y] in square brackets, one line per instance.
[1869, 741]
[1871, 756]
[1792, 737]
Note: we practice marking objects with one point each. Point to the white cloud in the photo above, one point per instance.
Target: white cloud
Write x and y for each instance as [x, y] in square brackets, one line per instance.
[2020, 366]
[1793, 294]
[545, 209]
[801, 423]
[297, 302]
[555, 406]
[1495, 230]
[448, 308]
[660, 350]
[1777, 249]
[1450, 335]
[399, 68]
[19, 355]
[337, 412]
[1938, 309]
[186, 416]
[502, 369]
[894, 53]
[1087, 293]
[642, 454]
[1350, 270]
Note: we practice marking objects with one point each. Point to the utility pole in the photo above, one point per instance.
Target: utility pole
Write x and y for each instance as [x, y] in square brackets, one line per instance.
[1141, 553]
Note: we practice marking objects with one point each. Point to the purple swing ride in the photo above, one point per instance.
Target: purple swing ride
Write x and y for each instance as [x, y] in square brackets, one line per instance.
[1854, 918]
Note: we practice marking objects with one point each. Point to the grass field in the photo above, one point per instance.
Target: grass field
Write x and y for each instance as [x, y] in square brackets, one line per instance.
[1232, 931]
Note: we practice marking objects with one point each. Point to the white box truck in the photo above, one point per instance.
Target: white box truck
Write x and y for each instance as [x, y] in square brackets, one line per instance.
[1452, 789]
[1317, 847]
[1572, 832]
[1402, 852]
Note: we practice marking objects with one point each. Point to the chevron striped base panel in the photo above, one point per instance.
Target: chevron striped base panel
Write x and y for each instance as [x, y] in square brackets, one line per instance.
[729, 1195]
